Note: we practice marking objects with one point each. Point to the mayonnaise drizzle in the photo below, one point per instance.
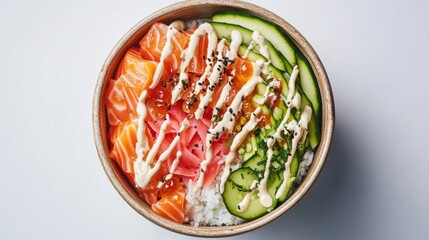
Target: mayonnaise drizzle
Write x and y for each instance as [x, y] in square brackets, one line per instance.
[218, 69]
[173, 28]
[299, 131]
[236, 142]
[228, 119]
[264, 197]
[141, 167]
[263, 47]
[223, 94]
[213, 80]
[189, 53]
[143, 171]
[172, 169]
[244, 204]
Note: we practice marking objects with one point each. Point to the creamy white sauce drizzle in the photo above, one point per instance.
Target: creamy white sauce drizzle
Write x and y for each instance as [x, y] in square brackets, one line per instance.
[142, 166]
[265, 198]
[173, 28]
[299, 132]
[218, 69]
[172, 169]
[223, 94]
[143, 171]
[228, 120]
[244, 204]
[213, 80]
[236, 142]
[189, 53]
[263, 47]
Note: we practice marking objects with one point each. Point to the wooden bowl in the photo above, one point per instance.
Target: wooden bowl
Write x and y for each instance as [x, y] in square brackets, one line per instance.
[195, 9]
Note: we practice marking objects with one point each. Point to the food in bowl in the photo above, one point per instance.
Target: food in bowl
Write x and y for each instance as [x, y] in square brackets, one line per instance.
[214, 121]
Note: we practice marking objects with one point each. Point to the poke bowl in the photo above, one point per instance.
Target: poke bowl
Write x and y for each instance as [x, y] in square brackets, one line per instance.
[212, 118]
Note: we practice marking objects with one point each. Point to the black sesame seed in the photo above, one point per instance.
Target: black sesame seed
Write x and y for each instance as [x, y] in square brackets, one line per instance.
[196, 145]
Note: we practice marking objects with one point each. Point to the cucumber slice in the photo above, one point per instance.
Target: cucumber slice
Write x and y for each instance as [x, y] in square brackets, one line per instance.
[270, 31]
[313, 125]
[308, 83]
[256, 163]
[236, 188]
[223, 30]
[293, 171]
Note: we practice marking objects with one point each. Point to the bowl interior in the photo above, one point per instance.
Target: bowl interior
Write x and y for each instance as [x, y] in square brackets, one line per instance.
[197, 9]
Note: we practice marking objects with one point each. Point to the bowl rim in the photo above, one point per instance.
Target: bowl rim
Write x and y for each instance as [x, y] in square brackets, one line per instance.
[327, 128]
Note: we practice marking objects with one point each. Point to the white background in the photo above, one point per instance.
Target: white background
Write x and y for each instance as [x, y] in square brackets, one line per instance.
[375, 183]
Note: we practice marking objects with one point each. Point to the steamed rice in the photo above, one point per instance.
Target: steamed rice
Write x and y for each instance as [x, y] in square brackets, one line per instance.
[206, 207]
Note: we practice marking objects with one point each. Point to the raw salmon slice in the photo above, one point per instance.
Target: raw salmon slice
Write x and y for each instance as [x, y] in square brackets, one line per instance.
[154, 41]
[122, 94]
[172, 202]
[198, 63]
[123, 138]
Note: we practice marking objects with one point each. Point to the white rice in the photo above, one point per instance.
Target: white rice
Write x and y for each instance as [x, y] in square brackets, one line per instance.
[307, 159]
[206, 207]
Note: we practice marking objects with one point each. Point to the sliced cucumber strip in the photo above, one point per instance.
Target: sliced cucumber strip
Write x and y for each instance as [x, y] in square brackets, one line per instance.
[293, 171]
[309, 83]
[270, 31]
[223, 30]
